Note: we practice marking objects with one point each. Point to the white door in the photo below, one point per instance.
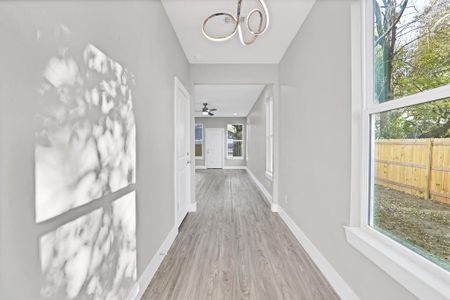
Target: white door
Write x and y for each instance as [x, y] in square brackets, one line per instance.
[182, 152]
[214, 148]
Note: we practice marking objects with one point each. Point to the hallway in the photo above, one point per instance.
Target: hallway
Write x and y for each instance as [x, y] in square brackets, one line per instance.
[234, 247]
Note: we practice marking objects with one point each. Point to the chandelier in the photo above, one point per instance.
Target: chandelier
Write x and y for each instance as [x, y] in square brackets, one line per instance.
[254, 32]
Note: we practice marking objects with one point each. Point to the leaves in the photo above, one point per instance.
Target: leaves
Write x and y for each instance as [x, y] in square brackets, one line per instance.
[414, 57]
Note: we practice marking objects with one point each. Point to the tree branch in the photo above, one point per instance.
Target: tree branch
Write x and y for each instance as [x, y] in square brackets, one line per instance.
[402, 10]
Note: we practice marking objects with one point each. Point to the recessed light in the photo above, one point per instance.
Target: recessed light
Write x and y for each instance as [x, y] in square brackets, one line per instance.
[235, 114]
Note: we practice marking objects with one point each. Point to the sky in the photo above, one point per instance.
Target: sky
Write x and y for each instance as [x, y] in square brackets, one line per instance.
[414, 8]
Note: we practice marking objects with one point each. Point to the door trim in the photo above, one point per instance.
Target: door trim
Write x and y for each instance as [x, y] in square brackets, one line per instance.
[221, 146]
[178, 85]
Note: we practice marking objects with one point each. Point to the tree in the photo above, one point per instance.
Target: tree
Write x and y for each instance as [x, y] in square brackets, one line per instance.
[427, 120]
[387, 21]
[412, 54]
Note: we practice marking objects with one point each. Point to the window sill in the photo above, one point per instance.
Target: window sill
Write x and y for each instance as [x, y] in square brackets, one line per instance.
[420, 276]
[199, 157]
[235, 158]
[269, 175]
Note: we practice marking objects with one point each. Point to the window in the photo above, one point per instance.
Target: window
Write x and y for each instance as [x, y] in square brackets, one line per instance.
[235, 141]
[247, 137]
[199, 140]
[269, 138]
[409, 188]
[401, 155]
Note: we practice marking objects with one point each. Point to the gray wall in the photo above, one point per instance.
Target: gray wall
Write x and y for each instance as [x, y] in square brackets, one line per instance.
[139, 36]
[256, 122]
[222, 122]
[315, 145]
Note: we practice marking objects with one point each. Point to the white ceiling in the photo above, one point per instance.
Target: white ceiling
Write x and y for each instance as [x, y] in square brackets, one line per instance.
[230, 100]
[286, 17]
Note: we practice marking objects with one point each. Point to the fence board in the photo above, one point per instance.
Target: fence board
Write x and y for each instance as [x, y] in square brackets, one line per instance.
[420, 167]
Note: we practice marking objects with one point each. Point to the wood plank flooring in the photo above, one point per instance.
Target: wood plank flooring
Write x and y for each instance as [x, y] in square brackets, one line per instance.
[234, 247]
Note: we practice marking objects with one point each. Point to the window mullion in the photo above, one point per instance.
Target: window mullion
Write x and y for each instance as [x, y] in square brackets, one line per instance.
[423, 97]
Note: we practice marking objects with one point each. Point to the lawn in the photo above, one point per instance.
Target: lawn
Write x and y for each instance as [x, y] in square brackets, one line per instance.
[423, 225]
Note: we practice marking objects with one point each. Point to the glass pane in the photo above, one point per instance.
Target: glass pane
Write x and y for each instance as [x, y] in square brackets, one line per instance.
[198, 132]
[234, 149]
[411, 47]
[230, 148]
[237, 149]
[235, 132]
[198, 150]
[410, 191]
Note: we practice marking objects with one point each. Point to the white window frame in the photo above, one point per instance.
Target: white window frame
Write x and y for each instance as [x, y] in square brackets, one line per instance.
[420, 276]
[247, 136]
[202, 140]
[242, 142]
[269, 138]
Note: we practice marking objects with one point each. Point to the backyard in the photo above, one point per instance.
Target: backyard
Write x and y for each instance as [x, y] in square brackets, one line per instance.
[422, 224]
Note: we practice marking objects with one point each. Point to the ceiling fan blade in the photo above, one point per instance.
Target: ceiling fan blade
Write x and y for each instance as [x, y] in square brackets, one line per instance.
[213, 109]
[211, 114]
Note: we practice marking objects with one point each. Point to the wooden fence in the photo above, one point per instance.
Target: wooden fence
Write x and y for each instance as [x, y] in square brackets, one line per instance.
[420, 167]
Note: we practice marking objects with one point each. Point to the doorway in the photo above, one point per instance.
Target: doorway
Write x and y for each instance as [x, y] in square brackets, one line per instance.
[214, 138]
[182, 152]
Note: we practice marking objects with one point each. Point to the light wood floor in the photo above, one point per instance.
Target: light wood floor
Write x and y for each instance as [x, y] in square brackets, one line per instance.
[234, 247]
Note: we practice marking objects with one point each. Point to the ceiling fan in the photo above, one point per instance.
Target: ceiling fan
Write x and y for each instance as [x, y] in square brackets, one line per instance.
[208, 111]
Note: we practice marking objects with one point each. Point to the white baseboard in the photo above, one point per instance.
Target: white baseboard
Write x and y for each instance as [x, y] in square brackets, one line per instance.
[147, 276]
[264, 191]
[193, 207]
[337, 282]
[235, 168]
[225, 167]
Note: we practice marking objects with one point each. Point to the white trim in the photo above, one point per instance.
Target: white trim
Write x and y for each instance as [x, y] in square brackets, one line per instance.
[203, 139]
[261, 187]
[269, 175]
[268, 105]
[235, 157]
[147, 276]
[417, 274]
[243, 144]
[235, 168]
[357, 95]
[178, 86]
[193, 207]
[134, 293]
[337, 282]
[422, 97]
[200, 167]
[247, 136]
[422, 277]
[274, 208]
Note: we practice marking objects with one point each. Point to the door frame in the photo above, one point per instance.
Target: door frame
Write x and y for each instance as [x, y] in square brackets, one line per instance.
[178, 86]
[222, 131]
